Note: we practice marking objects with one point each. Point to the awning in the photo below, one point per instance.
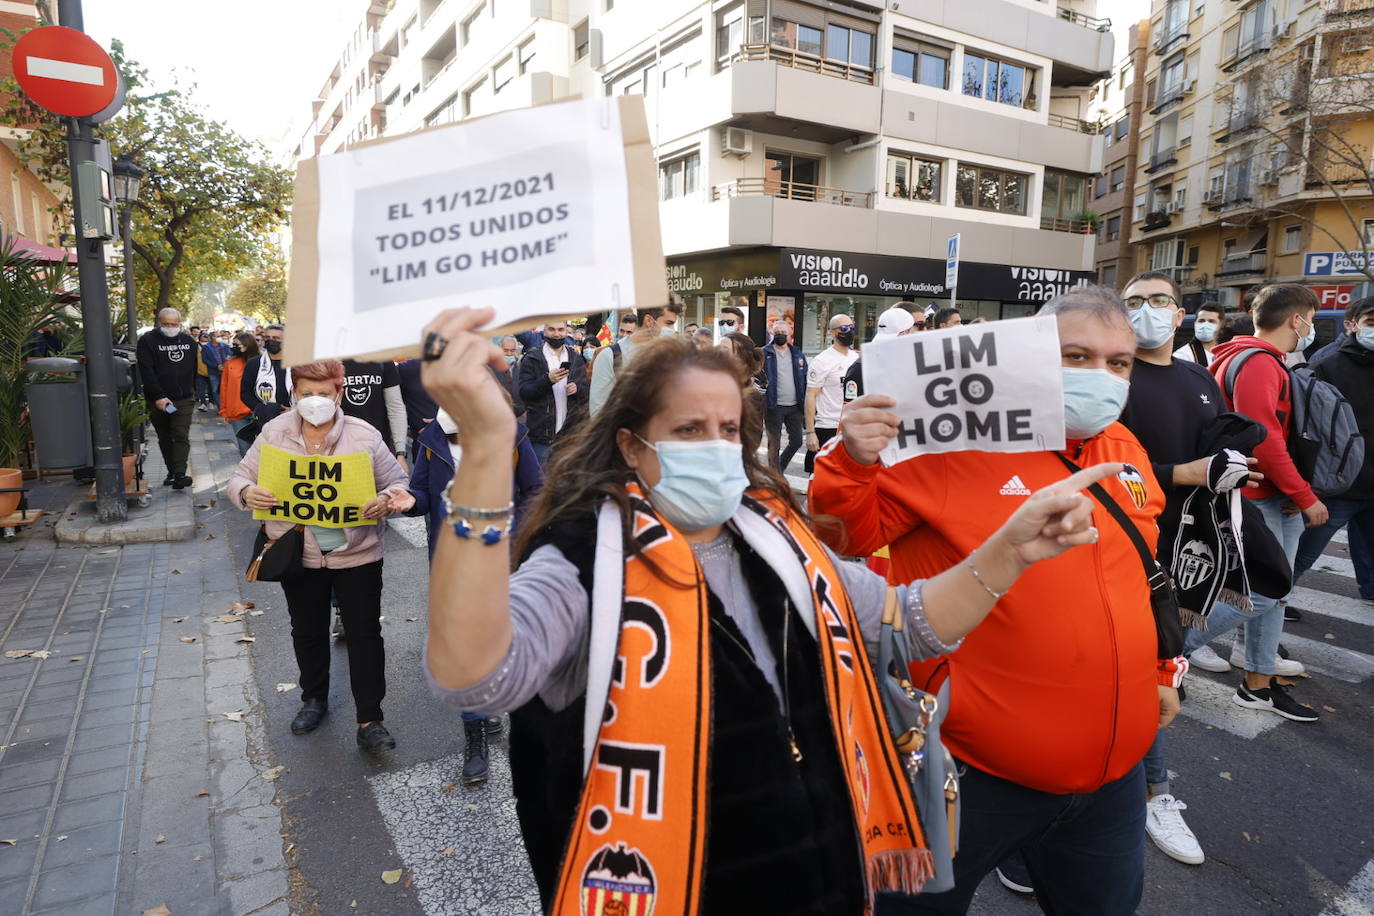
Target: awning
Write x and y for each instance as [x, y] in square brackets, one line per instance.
[25, 248]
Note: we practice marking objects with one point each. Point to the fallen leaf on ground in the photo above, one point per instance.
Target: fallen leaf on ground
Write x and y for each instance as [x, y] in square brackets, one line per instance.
[256, 613]
[18, 653]
[285, 688]
[448, 786]
[236, 716]
[1225, 775]
[176, 572]
[228, 618]
[188, 639]
[160, 839]
[472, 807]
[273, 773]
[238, 607]
[202, 794]
[159, 910]
[202, 505]
[61, 837]
[178, 619]
[1330, 635]
[76, 658]
[103, 610]
[246, 639]
[8, 842]
[411, 619]
[42, 653]
[383, 617]
[289, 848]
[392, 876]
[1329, 708]
[448, 851]
[1247, 836]
[209, 537]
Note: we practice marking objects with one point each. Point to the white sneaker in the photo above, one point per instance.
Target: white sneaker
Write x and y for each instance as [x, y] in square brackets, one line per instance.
[1207, 659]
[1164, 823]
[1283, 667]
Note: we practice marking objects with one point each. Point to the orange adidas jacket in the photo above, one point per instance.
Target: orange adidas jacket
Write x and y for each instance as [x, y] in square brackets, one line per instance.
[1056, 690]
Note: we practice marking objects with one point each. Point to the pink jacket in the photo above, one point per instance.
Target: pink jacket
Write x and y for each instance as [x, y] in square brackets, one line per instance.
[347, 435]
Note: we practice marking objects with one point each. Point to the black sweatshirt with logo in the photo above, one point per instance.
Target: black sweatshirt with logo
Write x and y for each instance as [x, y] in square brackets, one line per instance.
[167, 366]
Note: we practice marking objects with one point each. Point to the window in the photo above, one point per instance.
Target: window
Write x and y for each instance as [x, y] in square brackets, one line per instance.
[525, 54]
[998, 80]
[849, 45]
[40, 235]
[1193, 255]
[1166, 254]
[1123, 127]
[473, 101]
[445, 113]
[678, 177]
[1113, 228]
[1063, 195]
[790, 175]
[1181, 194]
[1139, 213]
[1100, 186]
[470, 28]
[1106, 276]
[801, 38]
[1292, 238]
[1118, 178]
[1108, 136]
[582, 40]
[1185, 130]
[1230, 42]
[980, 188]
[921, 62]
[503, 74]
[729, 34]
[1368, 232]
[913, 178]
[16, 196]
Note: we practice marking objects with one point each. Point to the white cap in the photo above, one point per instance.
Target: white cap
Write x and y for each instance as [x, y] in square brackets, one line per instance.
[894, 321]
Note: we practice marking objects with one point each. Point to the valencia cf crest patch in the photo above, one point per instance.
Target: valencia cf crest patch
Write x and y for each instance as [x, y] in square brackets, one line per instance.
[618, 882]
[861, 771]
[1134, 483]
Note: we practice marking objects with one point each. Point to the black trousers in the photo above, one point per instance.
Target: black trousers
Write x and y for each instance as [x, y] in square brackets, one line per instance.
[174, 433]
[823, 436]
[359, 590]
[775, 418]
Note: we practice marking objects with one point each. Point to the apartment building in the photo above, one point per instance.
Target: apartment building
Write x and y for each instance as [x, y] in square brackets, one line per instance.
[814, 155]
[1116, 105]
[26, 203]
[1255, 152]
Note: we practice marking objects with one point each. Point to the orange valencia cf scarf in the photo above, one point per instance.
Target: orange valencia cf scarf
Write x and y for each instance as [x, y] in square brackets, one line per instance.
[638, 844]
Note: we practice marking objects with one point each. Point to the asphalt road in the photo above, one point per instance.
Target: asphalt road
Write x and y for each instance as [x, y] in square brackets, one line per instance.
[1284, 811]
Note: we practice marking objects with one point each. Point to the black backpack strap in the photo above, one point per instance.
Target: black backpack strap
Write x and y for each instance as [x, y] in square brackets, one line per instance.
[1154, 573]
[1233, 370]
[1199, 352]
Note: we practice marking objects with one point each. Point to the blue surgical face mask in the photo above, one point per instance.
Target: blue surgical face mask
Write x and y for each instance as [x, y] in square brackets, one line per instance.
[700, 483]
[1305, 340]
[1153, 326]
[1205, 332]
[1093, 400]
[1365, 338]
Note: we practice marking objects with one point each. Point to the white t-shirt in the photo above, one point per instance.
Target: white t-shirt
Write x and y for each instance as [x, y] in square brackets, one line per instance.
[1185, 353]
[827, 373]
[560, 389]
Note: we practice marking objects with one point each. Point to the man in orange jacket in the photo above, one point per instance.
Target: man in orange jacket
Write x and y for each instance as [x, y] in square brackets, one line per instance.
[1057, 696]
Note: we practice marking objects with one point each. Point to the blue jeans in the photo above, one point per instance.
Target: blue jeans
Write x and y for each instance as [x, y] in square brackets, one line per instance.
[1085, 853]
[1265, 627]
[1358, 514]
[1156, 768]
[237, 425]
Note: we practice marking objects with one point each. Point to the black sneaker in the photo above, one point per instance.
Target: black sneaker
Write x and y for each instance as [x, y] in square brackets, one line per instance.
[181, 482]
[1291, 614]
[1275, 699]
[169, 480]
[375, 737]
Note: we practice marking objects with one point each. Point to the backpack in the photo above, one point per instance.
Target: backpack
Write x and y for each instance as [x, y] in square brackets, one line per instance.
[1324, 440]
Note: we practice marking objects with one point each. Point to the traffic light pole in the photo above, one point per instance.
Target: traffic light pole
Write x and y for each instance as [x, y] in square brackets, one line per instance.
[111, 505]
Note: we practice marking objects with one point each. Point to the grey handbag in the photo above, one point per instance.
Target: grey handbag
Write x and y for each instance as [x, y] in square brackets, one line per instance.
[914, 717]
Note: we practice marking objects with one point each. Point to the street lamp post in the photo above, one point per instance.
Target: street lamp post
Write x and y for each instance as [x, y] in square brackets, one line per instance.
[127, 176]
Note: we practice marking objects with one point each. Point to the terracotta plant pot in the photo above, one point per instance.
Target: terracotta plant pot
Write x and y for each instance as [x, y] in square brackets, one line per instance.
[9, 502]
[130, 466]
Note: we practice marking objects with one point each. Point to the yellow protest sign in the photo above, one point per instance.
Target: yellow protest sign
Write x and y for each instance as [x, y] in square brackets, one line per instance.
[328, 490]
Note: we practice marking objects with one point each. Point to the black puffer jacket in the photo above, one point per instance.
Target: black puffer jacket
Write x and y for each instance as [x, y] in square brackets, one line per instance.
[1351, 370]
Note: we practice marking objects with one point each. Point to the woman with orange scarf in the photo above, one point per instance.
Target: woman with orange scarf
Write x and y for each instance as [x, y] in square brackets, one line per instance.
[696, 720]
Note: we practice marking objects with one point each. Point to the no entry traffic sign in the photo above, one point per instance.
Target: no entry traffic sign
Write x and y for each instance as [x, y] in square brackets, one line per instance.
[65, 71]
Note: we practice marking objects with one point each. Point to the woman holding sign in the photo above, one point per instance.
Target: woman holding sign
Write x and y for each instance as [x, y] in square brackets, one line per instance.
[669, 586]
[340, 504]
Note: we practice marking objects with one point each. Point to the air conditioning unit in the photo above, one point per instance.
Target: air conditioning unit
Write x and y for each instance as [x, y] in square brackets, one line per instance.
[1269, 176]
[1173, 206]
[1212, 196]
[736, 141]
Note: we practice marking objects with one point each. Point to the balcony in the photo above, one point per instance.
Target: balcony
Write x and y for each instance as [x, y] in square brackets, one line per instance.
[1251, 47]
[1075, 124]
[1337, 8]
[793, 190]
[1156, 219]
[1084, 20]
[1168, 95]
[1240, 122]
[1337, 175]
[1080, 46]
[800, 60]
[1167, 40]
[1161, 160]
[1251, 263]
[1061, 224]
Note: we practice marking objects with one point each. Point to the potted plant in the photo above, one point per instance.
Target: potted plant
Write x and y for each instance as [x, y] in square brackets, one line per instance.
[1089, 218]
[133, 413]
[30, 291]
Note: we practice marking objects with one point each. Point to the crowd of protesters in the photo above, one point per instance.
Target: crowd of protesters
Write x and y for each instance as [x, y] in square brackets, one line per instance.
[621, 562]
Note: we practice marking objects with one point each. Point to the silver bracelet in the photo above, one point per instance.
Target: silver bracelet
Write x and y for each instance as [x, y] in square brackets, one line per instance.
[472, 512]
[996, 595]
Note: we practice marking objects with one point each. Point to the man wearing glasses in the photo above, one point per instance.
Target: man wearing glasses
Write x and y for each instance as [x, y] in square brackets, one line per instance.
[825, 387]
[731, 320]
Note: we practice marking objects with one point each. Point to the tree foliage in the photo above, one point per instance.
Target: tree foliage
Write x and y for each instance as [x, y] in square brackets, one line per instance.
[261, 295]
[209, 197]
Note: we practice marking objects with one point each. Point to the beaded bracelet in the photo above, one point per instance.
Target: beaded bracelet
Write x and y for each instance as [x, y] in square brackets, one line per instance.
[996, 595]
[463, 517]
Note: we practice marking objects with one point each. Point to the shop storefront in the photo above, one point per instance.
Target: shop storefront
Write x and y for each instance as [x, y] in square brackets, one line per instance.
[808, 287]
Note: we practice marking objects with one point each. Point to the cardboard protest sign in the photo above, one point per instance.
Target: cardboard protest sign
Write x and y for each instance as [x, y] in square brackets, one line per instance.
[540, 213]
[328, 490]
[993, 387]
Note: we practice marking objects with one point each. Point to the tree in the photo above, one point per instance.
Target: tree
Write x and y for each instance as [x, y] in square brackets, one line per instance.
[209, 197]
[262, 294]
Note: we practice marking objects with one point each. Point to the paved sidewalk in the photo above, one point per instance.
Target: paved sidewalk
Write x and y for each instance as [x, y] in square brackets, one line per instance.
[123, 784]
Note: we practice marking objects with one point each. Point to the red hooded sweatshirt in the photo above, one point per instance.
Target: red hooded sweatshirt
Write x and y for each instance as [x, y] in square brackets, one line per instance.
[1263, 394]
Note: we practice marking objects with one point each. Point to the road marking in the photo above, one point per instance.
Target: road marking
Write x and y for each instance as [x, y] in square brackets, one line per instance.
[1209, 702]
[1338, 566]
[1358, 897]
[1340, 538]
[1322, 657]
[1351, 610]
[66, 71]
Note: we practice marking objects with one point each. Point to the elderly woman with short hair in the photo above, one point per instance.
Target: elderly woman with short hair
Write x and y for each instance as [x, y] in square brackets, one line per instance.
[346, 562]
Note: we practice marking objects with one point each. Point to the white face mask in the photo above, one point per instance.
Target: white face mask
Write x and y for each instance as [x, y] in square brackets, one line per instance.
[169, 332]
[316, 410]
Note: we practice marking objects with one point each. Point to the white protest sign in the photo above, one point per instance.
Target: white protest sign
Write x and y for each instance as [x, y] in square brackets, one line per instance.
[538, 213]
[993, 387]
